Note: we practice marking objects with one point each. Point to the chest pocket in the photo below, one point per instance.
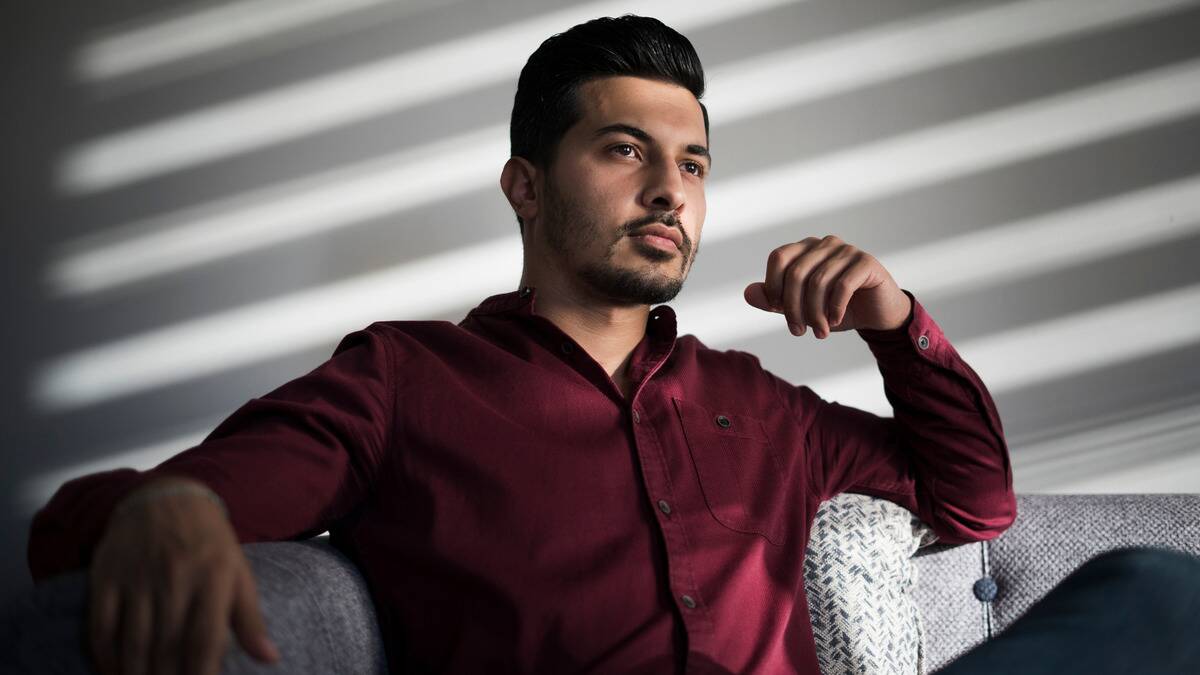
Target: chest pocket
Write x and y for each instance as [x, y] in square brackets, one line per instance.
[740, 473]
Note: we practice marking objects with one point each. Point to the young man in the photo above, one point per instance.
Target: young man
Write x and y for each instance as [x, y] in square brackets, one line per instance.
[559, 482]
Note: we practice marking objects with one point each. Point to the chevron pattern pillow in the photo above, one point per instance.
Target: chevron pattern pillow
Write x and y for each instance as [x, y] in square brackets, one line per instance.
[860, 578]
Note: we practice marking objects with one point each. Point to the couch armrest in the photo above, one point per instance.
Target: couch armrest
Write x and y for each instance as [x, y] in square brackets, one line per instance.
[314, 601]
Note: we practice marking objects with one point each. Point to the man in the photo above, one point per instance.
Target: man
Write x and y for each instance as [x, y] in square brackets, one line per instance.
[559, 482]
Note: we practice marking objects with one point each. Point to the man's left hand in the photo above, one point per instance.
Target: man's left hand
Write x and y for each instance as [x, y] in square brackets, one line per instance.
[831, 286]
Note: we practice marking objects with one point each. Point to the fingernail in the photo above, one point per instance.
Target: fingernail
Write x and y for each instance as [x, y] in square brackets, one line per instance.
[271, 649]
[794, 328]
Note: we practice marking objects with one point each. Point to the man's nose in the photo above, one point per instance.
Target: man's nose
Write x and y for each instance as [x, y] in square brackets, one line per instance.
[664, 190]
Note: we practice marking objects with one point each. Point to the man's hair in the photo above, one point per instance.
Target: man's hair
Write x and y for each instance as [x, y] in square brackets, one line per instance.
[547, 100]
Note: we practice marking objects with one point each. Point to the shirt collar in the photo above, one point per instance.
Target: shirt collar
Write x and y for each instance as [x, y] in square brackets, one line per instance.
[660, 325]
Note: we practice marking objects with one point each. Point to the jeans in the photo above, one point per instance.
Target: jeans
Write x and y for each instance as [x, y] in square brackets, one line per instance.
[1130, 610]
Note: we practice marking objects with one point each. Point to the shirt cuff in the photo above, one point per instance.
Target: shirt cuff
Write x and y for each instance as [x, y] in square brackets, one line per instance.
[919, 335]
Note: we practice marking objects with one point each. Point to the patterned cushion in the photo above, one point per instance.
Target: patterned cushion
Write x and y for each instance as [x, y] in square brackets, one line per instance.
[860, 579]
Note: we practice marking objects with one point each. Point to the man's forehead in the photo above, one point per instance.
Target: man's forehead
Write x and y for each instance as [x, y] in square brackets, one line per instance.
[648, 104]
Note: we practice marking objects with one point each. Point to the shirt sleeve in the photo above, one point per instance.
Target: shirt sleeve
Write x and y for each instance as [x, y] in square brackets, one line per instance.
[287, 464]
[942, 455]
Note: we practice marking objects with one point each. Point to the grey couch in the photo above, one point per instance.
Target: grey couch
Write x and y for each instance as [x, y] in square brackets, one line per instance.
[320, 615]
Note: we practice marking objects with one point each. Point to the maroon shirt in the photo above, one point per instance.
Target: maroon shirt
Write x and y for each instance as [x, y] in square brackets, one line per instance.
[512, 511]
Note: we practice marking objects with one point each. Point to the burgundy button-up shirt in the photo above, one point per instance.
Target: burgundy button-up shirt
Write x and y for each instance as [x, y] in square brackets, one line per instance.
[512, 511]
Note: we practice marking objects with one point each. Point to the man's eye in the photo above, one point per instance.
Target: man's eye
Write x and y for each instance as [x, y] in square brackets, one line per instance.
[699, 170]
[618, 148]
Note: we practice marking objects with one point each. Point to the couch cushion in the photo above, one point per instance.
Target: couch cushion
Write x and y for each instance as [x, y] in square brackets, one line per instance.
[953, 620]
[860, 579]
[318, 611]
[1055, 534]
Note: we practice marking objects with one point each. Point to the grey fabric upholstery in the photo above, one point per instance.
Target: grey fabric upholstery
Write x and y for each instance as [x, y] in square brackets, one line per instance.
[314, 601]
[319, 613]
[1052, 536]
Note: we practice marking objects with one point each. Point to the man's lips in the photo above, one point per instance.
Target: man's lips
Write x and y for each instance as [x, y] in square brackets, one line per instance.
[655, 233]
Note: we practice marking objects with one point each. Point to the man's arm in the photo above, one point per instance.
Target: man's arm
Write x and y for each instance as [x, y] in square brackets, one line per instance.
[942, 456]
[286, 465]
[167, 577]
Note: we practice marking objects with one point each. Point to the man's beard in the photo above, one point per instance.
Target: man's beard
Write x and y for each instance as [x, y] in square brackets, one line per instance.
[570, 229]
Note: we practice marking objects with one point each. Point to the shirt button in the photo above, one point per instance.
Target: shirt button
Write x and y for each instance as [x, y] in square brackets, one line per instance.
[567, 348]
[636, 417]
[923, 342]
[664, 506]
[525, 292]
[723, 421]
[687, 600]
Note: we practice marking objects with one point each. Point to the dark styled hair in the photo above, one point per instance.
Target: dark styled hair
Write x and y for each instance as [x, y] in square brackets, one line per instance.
[547, 100]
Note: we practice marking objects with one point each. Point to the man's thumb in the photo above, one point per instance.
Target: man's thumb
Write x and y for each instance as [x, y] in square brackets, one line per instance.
[756, 295]
[248, 624]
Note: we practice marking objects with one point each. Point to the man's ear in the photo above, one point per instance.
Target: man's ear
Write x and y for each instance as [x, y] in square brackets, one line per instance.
[518, 181]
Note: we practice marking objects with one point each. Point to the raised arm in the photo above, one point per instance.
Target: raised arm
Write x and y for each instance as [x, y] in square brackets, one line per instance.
[943, 455]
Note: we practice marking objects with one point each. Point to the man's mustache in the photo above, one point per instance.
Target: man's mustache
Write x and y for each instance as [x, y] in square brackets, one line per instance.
[669, 219]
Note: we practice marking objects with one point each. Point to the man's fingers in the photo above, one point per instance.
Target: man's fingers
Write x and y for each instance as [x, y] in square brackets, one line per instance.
[807, 285]
[103, 613]
[207, 630]
[137, 616]
[248, 624]
[778, 263]
[793, 294]
[172, 606]
[850, 280]
[820, 286]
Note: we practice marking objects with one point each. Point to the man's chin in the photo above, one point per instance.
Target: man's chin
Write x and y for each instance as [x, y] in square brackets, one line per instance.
[632, 287]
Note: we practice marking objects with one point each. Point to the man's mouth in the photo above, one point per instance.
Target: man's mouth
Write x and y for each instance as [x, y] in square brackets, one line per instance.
[656, 241]
[660, 236]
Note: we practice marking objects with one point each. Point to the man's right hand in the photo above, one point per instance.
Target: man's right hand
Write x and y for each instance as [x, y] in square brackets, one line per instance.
[168, 578]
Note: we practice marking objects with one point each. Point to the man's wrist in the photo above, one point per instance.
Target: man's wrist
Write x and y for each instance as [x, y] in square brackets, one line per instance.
[900, 326]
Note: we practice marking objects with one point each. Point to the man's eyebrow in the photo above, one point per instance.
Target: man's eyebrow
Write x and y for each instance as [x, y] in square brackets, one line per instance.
[641, 135]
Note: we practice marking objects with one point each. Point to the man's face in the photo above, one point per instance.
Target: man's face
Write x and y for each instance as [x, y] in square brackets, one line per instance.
[637, 158]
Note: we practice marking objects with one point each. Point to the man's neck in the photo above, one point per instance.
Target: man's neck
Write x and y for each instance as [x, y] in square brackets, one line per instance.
[609, 333]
